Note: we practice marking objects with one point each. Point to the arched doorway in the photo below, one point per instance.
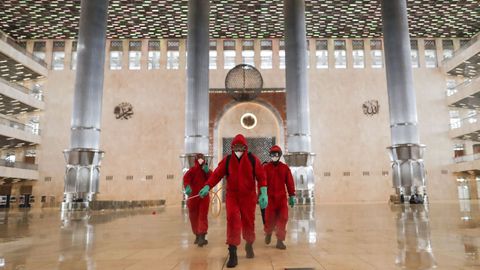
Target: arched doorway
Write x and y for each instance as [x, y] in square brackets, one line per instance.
[260, 123]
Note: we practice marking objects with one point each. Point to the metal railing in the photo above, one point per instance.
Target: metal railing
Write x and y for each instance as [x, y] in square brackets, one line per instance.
[12, 42]
[463, 48]
[19, 126]
[459, 87]
[451, 91]
[19, 165]
[466, 158]
[465, 121]
[37, 95]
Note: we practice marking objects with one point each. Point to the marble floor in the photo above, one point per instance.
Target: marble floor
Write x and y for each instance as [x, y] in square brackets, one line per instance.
[325, 237]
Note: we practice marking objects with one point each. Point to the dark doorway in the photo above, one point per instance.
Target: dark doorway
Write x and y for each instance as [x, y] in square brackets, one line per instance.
[259, 146]
[25, 196]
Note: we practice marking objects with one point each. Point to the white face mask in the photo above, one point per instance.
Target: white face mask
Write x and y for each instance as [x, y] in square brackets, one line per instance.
[238, 154]
[200, 161]
[275, 159]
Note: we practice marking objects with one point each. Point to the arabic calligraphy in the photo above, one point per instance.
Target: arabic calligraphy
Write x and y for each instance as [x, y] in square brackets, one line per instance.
[371, 107]
[123, 111]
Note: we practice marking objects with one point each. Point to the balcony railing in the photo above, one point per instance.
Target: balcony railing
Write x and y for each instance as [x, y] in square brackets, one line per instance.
[466, 158]
[465, 121]
[451, 91]
[464, 47]
[19, 165]
[459, 87]
[13, 43]
[37, 95]
[20, 126]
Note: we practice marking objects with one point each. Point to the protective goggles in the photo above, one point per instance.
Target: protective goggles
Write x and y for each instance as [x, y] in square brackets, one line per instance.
[275, 154]
[239, 147]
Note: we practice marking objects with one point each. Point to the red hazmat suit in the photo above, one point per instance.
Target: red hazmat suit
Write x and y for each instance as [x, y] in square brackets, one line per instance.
[197, 207]
[279, 176]
[241, 195]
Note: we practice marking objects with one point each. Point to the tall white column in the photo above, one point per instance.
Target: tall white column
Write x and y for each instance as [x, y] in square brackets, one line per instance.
[83, 158]
[406, 150]
[197, 99]
[298, 108]
[299, 156]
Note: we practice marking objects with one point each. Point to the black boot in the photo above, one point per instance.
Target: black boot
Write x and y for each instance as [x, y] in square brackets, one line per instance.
[280, 245]
[196, 239]
[201, 240]
[232, 256]
[249, 250]
[268, 239]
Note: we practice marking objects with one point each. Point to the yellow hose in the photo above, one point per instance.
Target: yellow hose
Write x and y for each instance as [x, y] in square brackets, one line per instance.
[214, 197]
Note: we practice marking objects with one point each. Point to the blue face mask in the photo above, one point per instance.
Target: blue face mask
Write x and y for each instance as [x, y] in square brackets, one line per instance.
[239, 154]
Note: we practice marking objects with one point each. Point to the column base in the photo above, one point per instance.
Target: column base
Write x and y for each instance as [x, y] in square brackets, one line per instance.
[301, 165]
[408, 175]
[82, 175]
[75, 206]
[412, 199]
[304, 197]
[409, 194]
[78, 201]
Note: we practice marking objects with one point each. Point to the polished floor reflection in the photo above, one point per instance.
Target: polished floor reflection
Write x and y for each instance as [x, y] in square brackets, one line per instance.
[327, 237]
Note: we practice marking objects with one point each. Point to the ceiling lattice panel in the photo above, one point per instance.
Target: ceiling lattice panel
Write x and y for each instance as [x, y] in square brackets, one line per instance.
[58, 19]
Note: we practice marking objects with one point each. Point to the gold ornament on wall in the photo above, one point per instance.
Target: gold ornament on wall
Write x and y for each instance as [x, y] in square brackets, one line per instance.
[371, 107]
[123, 111]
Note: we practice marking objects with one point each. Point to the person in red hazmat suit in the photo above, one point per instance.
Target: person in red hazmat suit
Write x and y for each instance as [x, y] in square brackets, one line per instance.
[279, 182]
[193, 181]
[241, 168]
